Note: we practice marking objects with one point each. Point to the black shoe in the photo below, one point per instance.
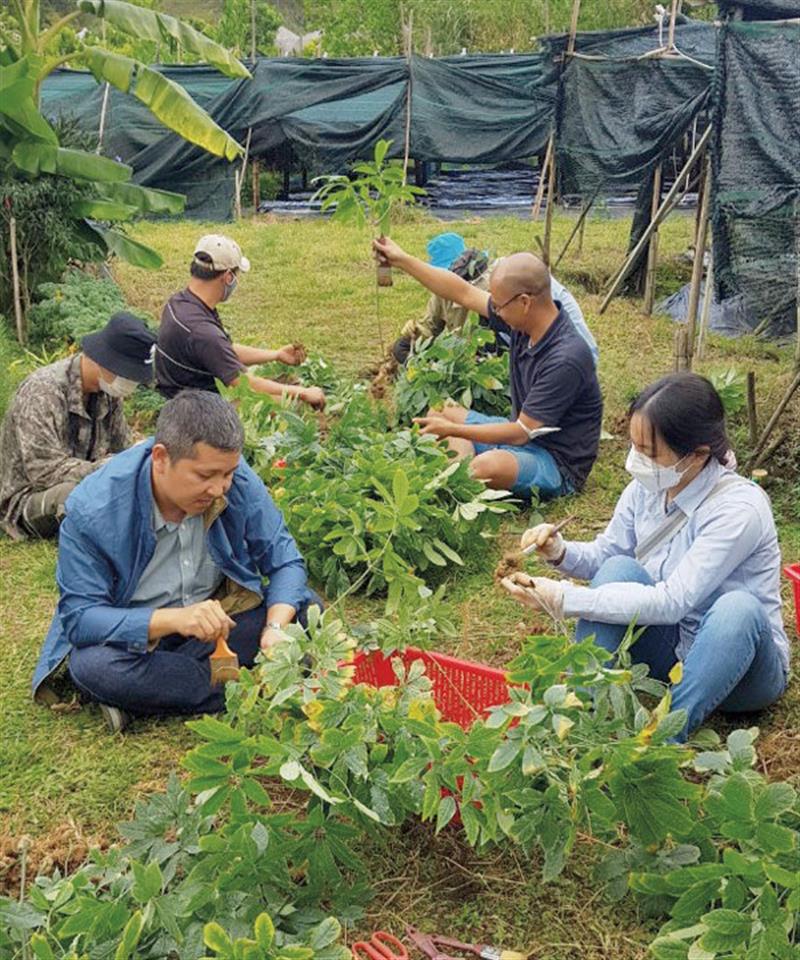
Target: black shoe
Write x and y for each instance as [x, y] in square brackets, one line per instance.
[116, 720]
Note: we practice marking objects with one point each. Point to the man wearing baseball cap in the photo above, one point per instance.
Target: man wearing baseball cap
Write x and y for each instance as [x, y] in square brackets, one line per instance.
[65, 421]
[194, 349]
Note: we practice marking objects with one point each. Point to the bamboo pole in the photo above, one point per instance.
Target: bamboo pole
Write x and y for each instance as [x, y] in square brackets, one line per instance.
[674, 195]
[579, 224]
[652, 250]
[671, 36]
[256, 187]
[699, 256]
[752, 414]
[239, 175]
[548, 214]
[797, 277]
[705, 313]
[253, 31]
[573, 26]
[537, 203]
[19, 317]
[409, 93]
[776, 413]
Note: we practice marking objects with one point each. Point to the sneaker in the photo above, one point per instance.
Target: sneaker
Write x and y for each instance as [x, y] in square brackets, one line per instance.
[116, 720]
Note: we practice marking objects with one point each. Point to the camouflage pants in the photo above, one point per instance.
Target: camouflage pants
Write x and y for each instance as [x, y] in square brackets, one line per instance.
[43, 511]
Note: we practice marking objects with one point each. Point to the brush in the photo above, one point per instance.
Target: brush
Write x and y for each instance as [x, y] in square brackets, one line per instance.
[224, 663]
[557, 528]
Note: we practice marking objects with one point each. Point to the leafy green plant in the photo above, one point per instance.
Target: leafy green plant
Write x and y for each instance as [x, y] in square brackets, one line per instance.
[451, 367]
[80, 304]
[369, 509]
[731, 386]
[368, 196]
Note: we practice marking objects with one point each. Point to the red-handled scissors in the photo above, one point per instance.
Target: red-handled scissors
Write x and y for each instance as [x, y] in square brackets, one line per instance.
[380, 946]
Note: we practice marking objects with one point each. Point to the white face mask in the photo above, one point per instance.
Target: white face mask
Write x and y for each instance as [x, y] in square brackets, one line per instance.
[119, 387]
[653, 476]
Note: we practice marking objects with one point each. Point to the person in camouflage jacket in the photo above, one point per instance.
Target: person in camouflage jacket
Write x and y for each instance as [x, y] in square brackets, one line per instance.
[65, 421]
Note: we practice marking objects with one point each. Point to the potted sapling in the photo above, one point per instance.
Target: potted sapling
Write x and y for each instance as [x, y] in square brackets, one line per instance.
[368, 195]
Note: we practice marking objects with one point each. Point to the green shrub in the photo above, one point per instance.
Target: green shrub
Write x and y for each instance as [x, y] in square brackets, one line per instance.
[450, 367]
[78, 305]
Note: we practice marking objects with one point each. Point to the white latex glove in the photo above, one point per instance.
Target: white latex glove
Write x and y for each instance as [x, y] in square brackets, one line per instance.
[538, 593]
[544, 542]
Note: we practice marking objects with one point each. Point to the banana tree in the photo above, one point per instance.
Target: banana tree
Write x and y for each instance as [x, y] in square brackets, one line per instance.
[29, 146]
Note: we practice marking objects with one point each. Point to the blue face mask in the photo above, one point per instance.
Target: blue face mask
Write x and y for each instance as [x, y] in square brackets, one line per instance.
[229, 288]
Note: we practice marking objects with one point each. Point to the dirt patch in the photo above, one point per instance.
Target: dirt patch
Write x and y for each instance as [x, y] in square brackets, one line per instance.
[65, 847]
[510, 563]
[779, 753]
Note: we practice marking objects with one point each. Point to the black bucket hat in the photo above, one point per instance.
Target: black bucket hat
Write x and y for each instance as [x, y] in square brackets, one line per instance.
[125, 346]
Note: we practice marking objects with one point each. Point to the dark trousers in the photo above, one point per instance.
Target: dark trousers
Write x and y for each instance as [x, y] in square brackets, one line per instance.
[175, 678]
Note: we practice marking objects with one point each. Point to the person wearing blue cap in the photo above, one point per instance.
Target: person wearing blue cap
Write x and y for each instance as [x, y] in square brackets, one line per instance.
[551, 440]
[449, 251]
[65, 421]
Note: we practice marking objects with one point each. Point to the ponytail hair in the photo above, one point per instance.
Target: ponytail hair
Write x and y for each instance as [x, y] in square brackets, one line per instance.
[686, 411]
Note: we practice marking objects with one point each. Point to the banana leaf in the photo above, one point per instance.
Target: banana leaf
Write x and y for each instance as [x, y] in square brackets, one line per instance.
[145, 199]
[18, 104]
[126, 248]
[166, 100]
[99, 209]
[148, 24]
[34, 158]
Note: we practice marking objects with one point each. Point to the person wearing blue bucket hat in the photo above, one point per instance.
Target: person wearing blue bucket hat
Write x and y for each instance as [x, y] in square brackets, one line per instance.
[550, 441]
[449, 251]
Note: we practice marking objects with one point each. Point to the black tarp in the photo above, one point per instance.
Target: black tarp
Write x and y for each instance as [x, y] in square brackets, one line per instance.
[756, 163]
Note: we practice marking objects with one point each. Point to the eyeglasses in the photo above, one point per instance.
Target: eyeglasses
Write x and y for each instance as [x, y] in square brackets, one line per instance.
[501, 306]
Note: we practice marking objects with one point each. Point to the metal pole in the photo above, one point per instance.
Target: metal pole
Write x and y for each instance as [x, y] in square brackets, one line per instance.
[674, 195]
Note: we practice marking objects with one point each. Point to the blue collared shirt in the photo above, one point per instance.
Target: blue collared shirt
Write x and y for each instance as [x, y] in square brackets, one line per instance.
[181, 570]
[729, 543]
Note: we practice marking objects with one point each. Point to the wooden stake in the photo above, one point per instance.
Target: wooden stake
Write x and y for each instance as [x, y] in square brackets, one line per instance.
[790, 392]
[699, 256]
[537, 203]
[409, 92]
[752, 415]
[671, 35]
[239, 176]
[681, 348]
[548, 214]
[705, 313]
[253, 31]
[766, 454]
[19, 316]
[797, 277]
[652, 250]
[579, 224]
[256, 187]
[674, 195]
[573, 26]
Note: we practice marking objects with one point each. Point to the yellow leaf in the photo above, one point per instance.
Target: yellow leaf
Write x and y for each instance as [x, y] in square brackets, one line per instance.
[313, 710]
[562, 725]
[422, 709]
[676, 673]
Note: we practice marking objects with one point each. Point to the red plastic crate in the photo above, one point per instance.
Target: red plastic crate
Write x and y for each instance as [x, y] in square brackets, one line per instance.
[793, 573]
[463, 691]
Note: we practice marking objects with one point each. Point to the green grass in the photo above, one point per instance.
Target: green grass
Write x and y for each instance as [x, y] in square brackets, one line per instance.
[65, 782]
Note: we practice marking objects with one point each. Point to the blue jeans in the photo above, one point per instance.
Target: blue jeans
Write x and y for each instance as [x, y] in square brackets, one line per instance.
[175, 678]
[732, 665]
[536, 466]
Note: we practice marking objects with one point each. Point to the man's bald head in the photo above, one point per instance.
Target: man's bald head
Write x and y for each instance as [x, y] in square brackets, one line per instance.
[522, 273]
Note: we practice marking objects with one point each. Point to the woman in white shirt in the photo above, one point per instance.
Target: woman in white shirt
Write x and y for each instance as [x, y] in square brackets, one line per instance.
[691, 554]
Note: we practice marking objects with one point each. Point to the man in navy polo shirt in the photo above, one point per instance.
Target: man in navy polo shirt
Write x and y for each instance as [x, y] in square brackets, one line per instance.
[550, 441]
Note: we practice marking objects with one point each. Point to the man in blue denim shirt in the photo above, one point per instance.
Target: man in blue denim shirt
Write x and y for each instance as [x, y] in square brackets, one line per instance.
[163, 550]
